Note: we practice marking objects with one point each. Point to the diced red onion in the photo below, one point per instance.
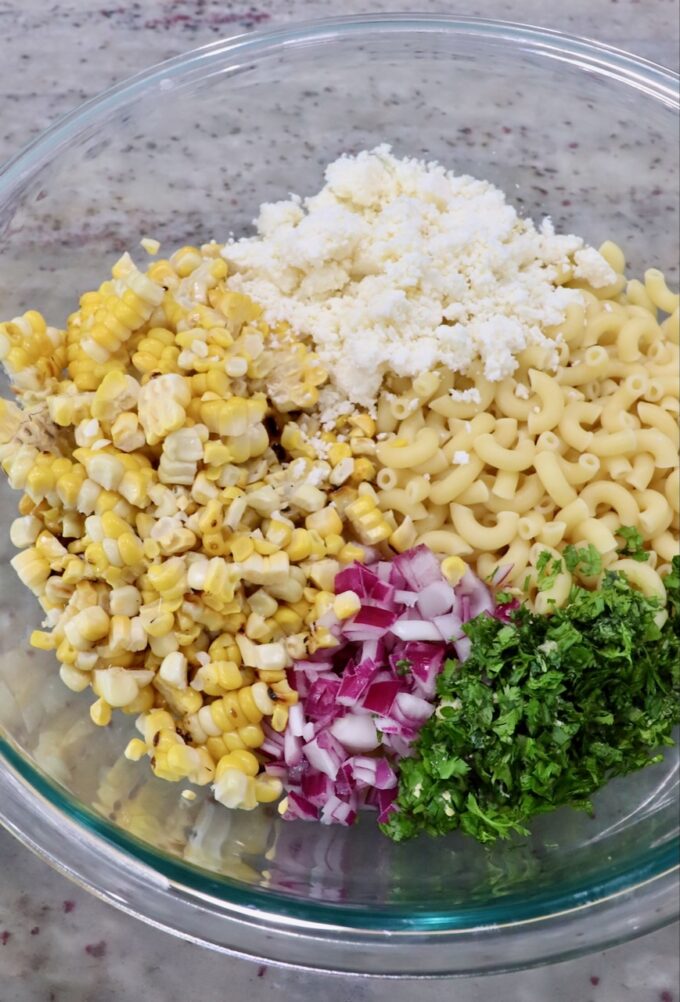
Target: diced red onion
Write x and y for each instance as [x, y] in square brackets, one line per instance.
[436, 599]
[325, 754]
[292, 748]
[419, 567]
[355, 733]
[448, 626]
[381, 695]
[362, 704]
[300, 809]
[407, 598]
[415, 629]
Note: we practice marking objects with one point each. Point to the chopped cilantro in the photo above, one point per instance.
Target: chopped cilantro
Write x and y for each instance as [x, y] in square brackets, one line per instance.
[547, 570]
[586, 559]
[543, 712]
[633, 544]
[504, 598]
[403, 666]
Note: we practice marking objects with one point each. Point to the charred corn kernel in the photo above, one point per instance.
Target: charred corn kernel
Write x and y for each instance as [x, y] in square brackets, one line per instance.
[279, 720]
[346, 604]
[100, 713]
[135, 750]
[240, 759]
[267, 789]
[233, 710]
[453, 569]
[364, 470]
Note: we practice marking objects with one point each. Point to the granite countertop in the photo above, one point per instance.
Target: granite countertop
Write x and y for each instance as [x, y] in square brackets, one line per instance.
[57, 943]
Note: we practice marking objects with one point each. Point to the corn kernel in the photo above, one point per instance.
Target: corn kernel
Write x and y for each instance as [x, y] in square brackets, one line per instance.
[453, 569]
[100, 713]
[135, 750]
[346, 604]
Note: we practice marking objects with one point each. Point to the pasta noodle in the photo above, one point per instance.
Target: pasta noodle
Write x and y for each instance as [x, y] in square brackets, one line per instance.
[547, 456]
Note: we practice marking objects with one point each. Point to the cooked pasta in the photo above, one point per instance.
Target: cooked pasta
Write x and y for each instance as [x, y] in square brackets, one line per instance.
[543, 456]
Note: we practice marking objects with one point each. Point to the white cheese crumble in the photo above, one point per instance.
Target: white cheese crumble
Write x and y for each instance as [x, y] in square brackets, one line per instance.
[461, 458]
[399, 265]
[522, 391]
[592, 268]
[471, 396]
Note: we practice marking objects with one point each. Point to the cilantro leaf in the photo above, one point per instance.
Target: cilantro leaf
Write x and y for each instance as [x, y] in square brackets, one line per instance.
[586, 559]
[547, 570]
[633, 544]
[403, 666]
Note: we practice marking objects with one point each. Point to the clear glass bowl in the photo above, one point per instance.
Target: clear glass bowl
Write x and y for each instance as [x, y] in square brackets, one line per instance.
[186, 152]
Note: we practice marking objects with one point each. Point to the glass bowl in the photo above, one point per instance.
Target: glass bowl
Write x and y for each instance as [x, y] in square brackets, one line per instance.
[186, 152]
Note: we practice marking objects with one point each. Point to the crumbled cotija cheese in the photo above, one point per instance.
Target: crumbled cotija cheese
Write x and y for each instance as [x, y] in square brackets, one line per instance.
[470, 396]
[400, 265]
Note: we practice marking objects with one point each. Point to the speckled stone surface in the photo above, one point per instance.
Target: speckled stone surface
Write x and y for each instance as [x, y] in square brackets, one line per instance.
[58, 944]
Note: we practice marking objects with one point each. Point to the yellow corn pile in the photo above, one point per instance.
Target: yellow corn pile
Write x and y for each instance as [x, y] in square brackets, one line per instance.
[176, 523]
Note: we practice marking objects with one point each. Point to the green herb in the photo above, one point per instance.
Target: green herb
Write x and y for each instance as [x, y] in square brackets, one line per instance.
[633, 543]
[547, 570]
[403, 666]
[543, 712]
[504, 598]
[586, 559]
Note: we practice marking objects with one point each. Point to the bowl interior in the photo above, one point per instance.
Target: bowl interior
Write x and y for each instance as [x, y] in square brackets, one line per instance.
[187, 155]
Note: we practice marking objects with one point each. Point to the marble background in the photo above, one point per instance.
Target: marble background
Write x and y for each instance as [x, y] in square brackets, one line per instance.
[57, 943]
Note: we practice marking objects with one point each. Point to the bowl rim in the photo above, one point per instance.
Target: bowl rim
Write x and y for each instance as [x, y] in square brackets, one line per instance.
[20, 781]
